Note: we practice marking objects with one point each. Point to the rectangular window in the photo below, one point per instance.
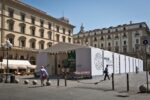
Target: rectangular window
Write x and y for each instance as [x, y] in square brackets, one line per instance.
[42, 46]
[22, 43]
[22, 16]
[124, 35]
[50, 35]
[57, 37]
[116, 49]
[124, 49]
[69, 40]
[102, 45]
[116, 43]
[124, 42]
[49, 25]
[102, 38]
[41, 23]
[137, 47]
[57, 28]
[11, 26]
[33, 20]
[11, 12]
[32, 32]
[42, 34]
[22, 29]
[64, 30]
[69, 32]
[33, 45]
[137, 41]
[64, 38]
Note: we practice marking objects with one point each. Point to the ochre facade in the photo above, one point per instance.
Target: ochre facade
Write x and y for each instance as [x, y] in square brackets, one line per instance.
[30, 30]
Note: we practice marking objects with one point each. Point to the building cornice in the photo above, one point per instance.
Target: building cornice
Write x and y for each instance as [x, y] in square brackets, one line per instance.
[40, 12]
[115, 27]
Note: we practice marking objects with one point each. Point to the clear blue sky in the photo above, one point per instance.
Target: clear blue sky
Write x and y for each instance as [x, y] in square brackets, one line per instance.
[96, 13]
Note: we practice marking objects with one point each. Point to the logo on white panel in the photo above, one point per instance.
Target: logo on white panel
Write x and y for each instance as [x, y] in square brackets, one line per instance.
[98, 61]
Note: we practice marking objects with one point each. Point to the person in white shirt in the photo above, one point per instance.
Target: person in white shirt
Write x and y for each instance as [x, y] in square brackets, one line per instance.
[43, 75]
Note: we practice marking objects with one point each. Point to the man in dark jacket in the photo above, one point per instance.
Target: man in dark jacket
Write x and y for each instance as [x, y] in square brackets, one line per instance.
[106, 73]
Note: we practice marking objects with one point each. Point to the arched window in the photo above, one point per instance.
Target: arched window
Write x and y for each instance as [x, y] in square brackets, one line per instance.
[11, 37]
[32, 43]
[22, 41]
[41, 44]
[49, 44]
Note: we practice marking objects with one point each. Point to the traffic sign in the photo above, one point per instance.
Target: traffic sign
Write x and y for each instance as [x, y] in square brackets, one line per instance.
[145, 42]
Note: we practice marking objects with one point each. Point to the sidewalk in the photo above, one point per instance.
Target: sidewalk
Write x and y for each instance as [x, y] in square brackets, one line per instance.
[83, 90]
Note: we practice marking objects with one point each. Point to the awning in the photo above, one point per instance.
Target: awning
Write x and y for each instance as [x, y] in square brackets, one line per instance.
[2, 67]
[31, 66]
[22, 66]
[63, 47]
[12, 66]
[16, 64]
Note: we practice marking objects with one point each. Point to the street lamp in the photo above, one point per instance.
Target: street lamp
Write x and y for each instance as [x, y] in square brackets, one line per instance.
[2, 48]
[8, 46]
[145, 42]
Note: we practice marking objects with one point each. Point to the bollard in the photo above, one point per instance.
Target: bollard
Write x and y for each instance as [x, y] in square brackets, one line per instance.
[65, 79]
[58, 81]
[127, 82]
[113, 82]
[48, 83]
[26, 82]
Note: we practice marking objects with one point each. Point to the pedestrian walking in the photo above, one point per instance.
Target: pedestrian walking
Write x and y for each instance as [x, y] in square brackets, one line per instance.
[43, 75]
[106, 73]
[137, 69]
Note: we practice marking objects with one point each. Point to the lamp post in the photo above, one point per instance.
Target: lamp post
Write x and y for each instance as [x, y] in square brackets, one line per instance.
[8, 46]
[145, 42]
[2, 48]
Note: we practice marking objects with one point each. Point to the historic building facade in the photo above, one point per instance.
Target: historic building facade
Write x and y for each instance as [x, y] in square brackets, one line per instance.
[30, 30]
[125, 39]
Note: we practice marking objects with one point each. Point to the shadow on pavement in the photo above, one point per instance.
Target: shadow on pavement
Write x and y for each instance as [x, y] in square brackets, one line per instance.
[35, 86]
[92, 88]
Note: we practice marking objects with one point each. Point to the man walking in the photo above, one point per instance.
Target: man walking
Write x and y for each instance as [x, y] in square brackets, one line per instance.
[106, 73]
[43, 75]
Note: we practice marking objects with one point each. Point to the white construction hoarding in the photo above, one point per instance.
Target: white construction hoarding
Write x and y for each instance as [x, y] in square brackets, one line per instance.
[116, 63]
[97, 61]
[92, 61]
